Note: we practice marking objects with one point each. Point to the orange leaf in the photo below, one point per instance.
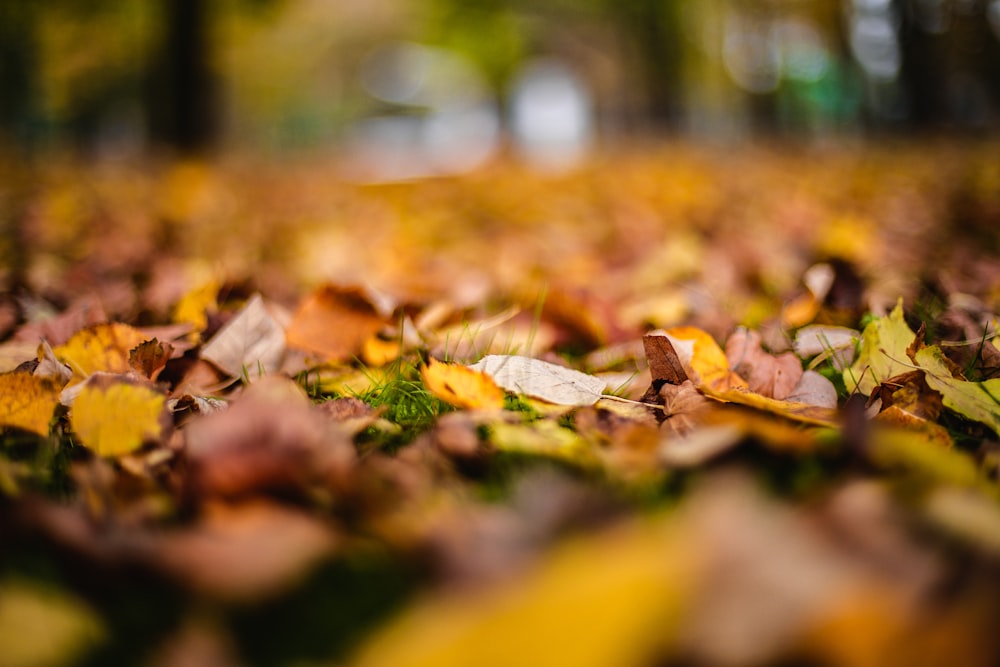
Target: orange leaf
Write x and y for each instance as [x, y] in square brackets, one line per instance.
[334, 323]
[27, 402]
[100, 348]
[115, 415]
[461, 386]
[705, 358]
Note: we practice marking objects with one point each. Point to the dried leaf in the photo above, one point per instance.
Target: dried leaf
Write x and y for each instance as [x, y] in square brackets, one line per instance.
[814, 389]
[884, 343]
[664, 364]
[838, 344]
[334, 322]
[910, 392]
[251, 343]
[799, 412]
[115, 415]
[461, 386]
[540, 379]
[701, 355]
[50, 367]
[979, 401]
[101, 348]
[765, 374]
[148, 358]
[27, 401]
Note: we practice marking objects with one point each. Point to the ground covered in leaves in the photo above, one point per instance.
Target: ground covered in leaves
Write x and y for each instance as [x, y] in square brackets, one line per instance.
[679, 406]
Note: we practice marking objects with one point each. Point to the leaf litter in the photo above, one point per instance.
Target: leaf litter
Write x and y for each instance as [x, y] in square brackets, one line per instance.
[376, 448]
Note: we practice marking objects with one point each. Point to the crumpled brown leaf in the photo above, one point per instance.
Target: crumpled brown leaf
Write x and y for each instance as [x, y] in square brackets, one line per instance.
[765, 374]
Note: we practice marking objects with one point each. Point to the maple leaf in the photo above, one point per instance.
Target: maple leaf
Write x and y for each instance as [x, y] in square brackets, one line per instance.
[461, 386]
[884, 344]
[540, 379]
[979, 401]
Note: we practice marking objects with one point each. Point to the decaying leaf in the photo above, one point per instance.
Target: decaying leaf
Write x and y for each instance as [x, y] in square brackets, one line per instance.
[979, 401]
[765, 374]
[252, 343]
[799, 412]
[814, 389]
[838, 344]
[115, 415]
[27, 401]
[149, 357]
[883, 355]
[540, 379]
[700, 354]
[334, 322]
[461, 386]
[101, 348]
[50, 367]
[664, 364]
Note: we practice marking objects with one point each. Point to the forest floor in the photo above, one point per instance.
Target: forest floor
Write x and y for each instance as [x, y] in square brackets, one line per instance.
[677, 406]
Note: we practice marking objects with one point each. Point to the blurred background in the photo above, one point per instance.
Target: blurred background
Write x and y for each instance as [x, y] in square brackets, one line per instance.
[428, 86]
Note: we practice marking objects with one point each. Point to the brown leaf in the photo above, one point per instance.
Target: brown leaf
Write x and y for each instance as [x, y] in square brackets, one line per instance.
[271, 439]
[149, 358]
[766, 374]
[664, 364]
[910, 392]
[251, 343]
[683, 407]
[334, 322]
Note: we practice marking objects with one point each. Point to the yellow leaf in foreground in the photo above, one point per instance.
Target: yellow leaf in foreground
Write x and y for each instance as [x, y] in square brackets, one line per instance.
[27, 401]
[461, 386]
[101, 348]
[615, 599]
[115, 415]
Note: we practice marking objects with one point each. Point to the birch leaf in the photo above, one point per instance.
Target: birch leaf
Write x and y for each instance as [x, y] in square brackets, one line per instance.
[27, 401]
[540, 379]
[883, 352]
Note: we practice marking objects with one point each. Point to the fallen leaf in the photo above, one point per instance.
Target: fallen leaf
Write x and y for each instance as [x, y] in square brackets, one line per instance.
[814, 389]
[27, 401]
[540, 379]
[41, 626]
[251, 343]
[765, 374]
[115, 415]
[838, 344]
[800, 412]
[149, 357]
[272, 438]
[883, 354]
[631, 606]
[664, 364]
[700, 354]
[542, 438]
[50, 367]
[911, 393]
[195, 307]
[461, 386]
[979, 401]
[683, 407]
[101, 348]
[334, 323]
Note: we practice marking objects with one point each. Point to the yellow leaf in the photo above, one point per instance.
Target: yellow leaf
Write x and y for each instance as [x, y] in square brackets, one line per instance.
[27, 401]
[800, 412]
[883, 352]
[100, 348]
[543, 438]
[194, 307]
[976, 400]
[461, 386]
[704, 356]
[614, 599]
[116, 415]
